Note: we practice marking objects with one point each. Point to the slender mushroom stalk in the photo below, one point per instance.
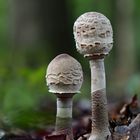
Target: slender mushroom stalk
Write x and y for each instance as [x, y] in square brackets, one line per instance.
[64, 78]
[94, 38]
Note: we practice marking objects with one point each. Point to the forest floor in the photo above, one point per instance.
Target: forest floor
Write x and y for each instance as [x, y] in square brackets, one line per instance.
[124, 121]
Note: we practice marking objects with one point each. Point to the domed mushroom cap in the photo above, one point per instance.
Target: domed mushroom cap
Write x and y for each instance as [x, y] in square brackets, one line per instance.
[64, 75]
[93, 34]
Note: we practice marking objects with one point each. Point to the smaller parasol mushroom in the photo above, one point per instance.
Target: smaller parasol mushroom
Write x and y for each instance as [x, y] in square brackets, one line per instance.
[64, 78]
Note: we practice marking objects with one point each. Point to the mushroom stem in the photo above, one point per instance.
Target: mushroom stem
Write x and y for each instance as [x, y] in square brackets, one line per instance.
[100, 124]
[64, 107]
[64, 116]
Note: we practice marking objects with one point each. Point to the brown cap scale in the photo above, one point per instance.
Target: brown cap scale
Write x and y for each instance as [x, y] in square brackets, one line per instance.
[64, 78]
[94, 39]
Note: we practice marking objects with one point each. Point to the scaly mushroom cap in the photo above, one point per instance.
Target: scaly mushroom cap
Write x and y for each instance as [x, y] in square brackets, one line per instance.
[93, 34]
[64, 75]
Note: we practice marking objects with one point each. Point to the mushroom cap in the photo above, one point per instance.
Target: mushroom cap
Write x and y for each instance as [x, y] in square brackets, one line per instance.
[64, 75]
[93, 34]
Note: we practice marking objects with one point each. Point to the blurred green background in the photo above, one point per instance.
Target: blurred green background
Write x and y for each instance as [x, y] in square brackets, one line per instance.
[33, 32]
